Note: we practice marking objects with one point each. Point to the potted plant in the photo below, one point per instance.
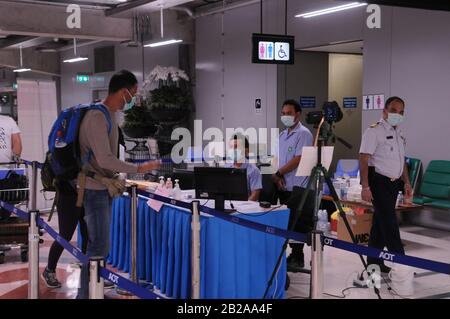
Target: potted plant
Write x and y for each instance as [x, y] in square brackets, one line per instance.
[170, 98]
[138, 122]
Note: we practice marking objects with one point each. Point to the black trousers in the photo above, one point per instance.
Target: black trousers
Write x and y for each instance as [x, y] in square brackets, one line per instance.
[305, 221]
[68, 218]
[385, 231]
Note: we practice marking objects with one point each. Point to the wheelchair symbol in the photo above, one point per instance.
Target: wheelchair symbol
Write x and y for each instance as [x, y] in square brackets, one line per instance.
[281, 53]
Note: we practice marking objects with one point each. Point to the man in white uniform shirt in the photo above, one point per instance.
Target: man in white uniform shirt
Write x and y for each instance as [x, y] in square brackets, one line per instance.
[383, 174]
[10, 141]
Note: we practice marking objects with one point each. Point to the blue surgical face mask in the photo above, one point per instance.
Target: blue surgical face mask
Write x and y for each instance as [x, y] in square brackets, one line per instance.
[288, 120]
[235, 154]
[394, 119]
[129, 105]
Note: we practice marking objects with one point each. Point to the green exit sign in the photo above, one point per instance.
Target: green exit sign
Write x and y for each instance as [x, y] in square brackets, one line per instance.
[82, 78]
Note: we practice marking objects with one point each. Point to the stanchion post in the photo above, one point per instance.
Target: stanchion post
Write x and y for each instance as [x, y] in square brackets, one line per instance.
[33, 187]
[316, 265]
[133, 271]
[195, 251]
[33, 238]
[134, 202]
[33, 256]
[96, 283]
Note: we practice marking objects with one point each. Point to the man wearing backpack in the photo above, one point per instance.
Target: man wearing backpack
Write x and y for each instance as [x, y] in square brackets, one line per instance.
[99, 144]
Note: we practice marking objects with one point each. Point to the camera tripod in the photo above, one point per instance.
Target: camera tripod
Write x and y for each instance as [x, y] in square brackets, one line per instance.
[318, 174]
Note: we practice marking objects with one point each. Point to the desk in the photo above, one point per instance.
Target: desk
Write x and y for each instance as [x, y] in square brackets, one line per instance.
[362, 204]
[236, 262]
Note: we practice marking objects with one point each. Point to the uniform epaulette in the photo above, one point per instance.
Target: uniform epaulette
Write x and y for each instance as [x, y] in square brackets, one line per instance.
[375, 124]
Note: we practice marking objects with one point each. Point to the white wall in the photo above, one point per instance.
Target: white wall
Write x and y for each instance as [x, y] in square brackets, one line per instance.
[343, 26]
[409, 57]
[36, 112]
[227, 99]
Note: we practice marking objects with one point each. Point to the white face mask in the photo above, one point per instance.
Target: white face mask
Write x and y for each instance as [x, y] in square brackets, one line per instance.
[288, 120]
[235, 154]
[129, 105]
[394, 119]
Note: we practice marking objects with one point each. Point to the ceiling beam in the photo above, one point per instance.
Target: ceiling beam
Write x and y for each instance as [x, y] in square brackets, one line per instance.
[43, 63]
[51, 21]
[443, 5]
[125, 7]
[81, 3]
[13, 40]
[64, 3]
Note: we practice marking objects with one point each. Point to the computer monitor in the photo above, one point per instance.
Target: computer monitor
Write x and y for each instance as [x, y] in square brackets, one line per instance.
[220, 184]
[185, 177]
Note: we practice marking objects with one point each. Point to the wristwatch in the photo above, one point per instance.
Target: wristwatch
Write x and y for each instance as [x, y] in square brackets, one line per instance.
[278, 174]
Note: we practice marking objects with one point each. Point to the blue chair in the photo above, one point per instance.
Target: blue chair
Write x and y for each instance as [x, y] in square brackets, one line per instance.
[347, 166]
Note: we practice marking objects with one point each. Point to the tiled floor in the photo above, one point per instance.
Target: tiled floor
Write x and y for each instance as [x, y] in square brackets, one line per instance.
[340, 268]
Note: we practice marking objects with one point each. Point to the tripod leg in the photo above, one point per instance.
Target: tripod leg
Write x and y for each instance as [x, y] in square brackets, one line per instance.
[312, 178]
[344, 218]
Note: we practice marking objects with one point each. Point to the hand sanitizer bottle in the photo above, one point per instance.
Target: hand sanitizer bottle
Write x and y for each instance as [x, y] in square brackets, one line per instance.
[169, 184]
[176, 194]
[161, 182]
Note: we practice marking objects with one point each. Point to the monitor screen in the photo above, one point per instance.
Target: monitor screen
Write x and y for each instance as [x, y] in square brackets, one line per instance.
[185, 177]
[273, 49]
[221, 183]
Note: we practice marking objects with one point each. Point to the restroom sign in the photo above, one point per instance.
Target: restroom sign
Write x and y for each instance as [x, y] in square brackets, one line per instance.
[273, 48]
[281, 51]
[367, 102]
[266, 50]
[378, 102]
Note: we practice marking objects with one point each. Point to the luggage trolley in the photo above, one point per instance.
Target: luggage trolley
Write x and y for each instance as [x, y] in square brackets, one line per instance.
[14, 189]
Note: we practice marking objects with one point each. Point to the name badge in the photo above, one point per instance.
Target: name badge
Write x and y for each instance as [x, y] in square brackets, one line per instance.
[389, 137]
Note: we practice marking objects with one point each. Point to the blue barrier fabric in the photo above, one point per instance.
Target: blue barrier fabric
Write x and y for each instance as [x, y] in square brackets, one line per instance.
[38, 165]
[231, 218]
[385, 255]
[11, 208]
[236, 262]
[120, 281]
[74, 251]
[256, 225]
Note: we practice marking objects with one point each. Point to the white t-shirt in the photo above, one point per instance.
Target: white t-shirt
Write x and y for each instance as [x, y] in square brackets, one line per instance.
[7, 127]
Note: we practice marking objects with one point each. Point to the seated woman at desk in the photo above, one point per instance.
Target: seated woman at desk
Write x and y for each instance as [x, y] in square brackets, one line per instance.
[254, 180]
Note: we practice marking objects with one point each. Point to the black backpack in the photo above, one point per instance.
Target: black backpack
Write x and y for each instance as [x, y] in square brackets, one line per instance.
[47, 175]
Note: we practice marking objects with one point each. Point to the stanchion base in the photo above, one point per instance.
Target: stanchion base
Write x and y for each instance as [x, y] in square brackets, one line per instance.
[119, 293]
[123, 292]
[142, 283]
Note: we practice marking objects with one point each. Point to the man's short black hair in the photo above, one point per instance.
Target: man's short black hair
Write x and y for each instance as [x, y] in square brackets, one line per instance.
[393, 99]
[122, 79]
[240, 137]
[294, 103]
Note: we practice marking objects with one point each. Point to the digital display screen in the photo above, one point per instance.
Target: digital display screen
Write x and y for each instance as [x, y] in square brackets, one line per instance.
[273, 49]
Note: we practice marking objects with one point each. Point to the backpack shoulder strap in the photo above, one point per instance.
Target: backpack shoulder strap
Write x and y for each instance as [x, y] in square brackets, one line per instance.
[102, 108]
